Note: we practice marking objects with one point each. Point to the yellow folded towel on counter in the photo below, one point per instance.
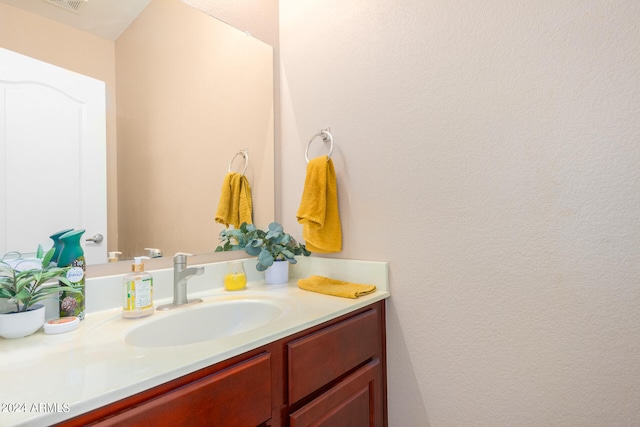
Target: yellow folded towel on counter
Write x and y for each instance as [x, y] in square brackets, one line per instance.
[235, 205]
[318, 211]
[339, 288]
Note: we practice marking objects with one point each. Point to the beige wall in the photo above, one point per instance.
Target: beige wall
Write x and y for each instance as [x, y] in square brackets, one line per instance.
[490, 152]
[260, 19]
[75, 50]
[189, 98]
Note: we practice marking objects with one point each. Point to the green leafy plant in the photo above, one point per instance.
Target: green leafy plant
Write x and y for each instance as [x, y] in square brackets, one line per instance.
[269, 246]
[25, 287]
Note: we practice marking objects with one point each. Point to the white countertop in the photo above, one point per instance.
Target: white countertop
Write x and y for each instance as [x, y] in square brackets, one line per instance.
[49, 378]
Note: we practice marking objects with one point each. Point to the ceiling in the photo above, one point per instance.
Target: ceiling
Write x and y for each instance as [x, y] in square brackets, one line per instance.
[104, 18]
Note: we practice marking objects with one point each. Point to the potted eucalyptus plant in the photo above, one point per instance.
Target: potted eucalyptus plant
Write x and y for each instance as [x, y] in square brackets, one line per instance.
[25, 283]
[274, 248]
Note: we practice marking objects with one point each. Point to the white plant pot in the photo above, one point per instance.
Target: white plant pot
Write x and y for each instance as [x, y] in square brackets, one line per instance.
[277, 274]
[18, 325]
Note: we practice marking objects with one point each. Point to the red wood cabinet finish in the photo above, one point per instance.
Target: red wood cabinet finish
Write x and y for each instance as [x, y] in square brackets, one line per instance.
[354, 402]
[323, 356]
[238, 396]
[331, 375]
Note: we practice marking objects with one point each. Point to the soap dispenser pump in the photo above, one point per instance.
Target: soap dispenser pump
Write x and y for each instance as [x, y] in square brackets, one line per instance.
[137, 289]
[113, 256]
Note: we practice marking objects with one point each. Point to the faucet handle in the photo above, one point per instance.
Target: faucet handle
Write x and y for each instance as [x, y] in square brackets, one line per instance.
[154, 252]
[181, 258]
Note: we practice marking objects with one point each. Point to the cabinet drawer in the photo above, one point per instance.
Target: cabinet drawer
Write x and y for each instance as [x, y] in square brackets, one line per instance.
[323, 356]
[237, 396]
[351, 403]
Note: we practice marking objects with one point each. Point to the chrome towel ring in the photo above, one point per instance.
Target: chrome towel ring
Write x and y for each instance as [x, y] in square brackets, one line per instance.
[245, 154]
[326, 137]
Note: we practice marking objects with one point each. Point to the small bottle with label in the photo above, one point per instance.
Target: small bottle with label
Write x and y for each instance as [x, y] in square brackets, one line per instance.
[137, 289]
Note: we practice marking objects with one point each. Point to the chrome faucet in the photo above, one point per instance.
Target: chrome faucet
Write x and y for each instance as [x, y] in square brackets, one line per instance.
[181, 274]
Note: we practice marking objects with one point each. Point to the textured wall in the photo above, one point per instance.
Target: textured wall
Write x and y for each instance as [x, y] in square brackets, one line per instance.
[490, 151]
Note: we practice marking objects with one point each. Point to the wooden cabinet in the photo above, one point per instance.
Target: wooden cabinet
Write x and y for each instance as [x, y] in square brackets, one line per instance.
[238, 396]
[336, 374]
[235, 395]
[354, 401]
[321, 357]
[332, 375]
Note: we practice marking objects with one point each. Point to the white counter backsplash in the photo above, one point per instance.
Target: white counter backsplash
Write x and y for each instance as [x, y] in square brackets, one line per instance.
[104, 293]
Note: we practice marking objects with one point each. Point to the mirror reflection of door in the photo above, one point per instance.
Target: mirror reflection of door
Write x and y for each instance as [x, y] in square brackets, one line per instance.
[52, 152]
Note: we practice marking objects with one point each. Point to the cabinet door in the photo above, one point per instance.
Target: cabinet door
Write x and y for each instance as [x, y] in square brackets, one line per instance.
[237, 396]
[319, 358]
[354, 402]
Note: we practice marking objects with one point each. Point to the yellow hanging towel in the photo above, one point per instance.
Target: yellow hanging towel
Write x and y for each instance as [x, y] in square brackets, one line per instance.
[318, 212]
[235, 205]
[339, 288]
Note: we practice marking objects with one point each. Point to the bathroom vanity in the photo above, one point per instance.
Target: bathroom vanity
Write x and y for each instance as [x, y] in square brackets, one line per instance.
[330, 373]
[318, 358]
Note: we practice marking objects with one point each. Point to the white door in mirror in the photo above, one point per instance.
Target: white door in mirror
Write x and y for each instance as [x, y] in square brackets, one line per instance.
[53, 161]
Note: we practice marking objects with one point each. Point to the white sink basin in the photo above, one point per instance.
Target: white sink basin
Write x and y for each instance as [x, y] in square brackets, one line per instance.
[204, 323]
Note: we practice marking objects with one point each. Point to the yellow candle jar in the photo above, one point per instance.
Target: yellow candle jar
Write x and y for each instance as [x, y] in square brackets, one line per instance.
[236, 278]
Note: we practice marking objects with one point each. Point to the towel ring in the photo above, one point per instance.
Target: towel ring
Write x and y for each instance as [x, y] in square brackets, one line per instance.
[326, 137]
[245, 154]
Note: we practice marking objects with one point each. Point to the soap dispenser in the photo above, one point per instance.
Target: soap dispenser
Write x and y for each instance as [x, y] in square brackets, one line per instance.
[137, 289]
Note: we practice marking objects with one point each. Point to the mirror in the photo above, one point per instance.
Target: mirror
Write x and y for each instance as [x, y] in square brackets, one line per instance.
[174, 123]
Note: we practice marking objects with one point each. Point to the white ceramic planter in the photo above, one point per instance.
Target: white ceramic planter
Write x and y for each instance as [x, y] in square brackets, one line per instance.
[277, 274]
[18, 325]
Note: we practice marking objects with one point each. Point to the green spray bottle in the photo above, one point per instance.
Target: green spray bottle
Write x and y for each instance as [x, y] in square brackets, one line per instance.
[57, 244]
[72, 304]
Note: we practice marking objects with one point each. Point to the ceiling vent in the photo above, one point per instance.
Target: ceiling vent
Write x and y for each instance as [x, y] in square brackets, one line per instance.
[69, 5]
